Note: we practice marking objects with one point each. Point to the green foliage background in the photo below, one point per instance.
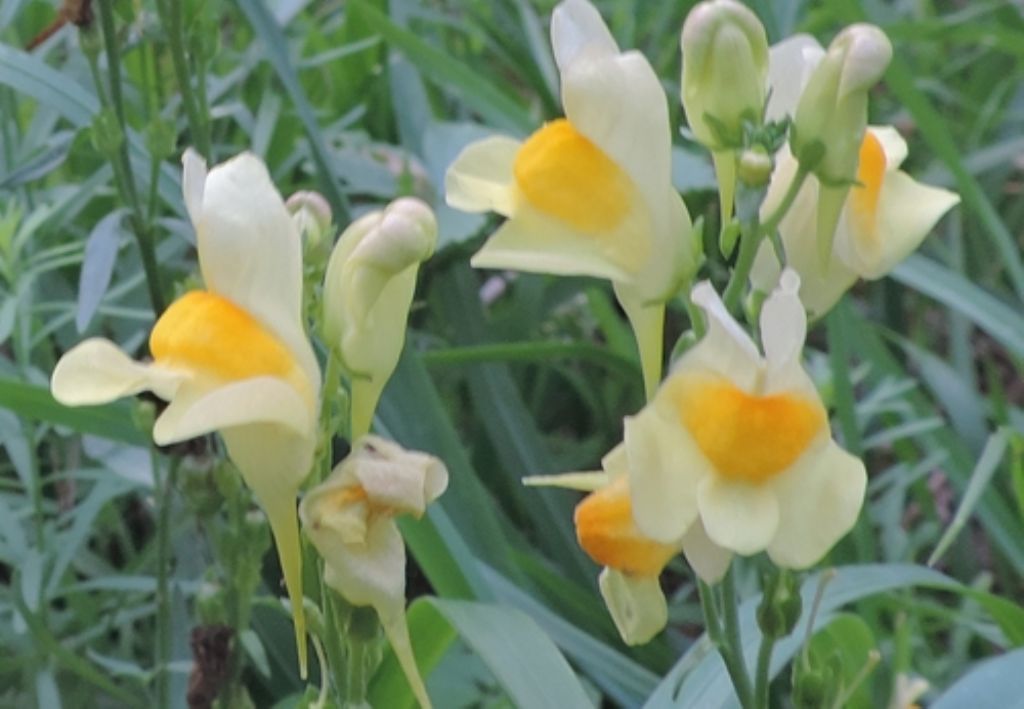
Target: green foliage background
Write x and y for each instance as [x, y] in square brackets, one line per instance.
[369, 99]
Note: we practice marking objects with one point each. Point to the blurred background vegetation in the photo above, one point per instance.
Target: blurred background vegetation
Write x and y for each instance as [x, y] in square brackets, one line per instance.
[111, 553]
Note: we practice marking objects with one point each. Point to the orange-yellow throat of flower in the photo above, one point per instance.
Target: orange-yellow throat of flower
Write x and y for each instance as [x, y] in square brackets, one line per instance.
[564, 175]
[870, 176]
[210, 336]
[607, 532]
[746, 437]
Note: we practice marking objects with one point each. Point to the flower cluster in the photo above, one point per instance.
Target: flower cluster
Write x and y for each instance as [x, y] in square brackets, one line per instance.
[234, 358]
[733, 452]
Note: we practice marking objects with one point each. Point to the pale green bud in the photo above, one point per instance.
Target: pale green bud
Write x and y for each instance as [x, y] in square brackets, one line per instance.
[725, 69]
[312, 215]
[832, 112]
[368, 290]
[831, 117]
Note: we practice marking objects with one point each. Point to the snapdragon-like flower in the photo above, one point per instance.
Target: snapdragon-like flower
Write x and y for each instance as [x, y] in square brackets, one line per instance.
[885, 216]
[607, 533]
[350, 520]
[232, 358]
[368, 290]
[831, 115]
[589, 194]
[738, 444]
[725, 65]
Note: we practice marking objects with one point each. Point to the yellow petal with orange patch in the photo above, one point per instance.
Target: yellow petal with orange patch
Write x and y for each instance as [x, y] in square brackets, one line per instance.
[209, 335]
[870, 176]
[747, 438]
[607, 532]
[563, 174]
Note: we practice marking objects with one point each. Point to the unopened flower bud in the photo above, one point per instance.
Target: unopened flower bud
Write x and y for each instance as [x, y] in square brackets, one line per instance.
[368, 291]
[831, 117]
[755, 167]
[725, 67]
[312, 216]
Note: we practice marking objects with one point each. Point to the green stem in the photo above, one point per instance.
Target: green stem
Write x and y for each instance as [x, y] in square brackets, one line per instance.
[726, 642]
[761, 679]
[334, 633]
[731, 626]
[750, 242]
[122, 161]
[163, 596]
[170, 17]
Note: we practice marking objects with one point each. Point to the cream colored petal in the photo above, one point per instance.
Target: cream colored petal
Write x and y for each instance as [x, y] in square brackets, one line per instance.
[481, 179]
[395, 478]
[907, 212]
[707, 559]
[665, 468]
[96, 371]
[197, 410]
[618, 103]
[764, 274]
[783, 321]
[250, 251]
[893, 145]
[536, 243]
[820, 285]
[648, 324]
[372, 574]
[636, 603]
[739, 517]
[577, 27]
[396, 628]
[790, 63]
[726, 349]
[819, 501]
[584, 482]
[193, 183]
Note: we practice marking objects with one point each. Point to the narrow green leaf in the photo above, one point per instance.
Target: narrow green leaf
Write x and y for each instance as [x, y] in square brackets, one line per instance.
[954, 290]
[276, 44]
[523, 659]
[113, 421]
[988, 464]
[998, 682]
[479, 93]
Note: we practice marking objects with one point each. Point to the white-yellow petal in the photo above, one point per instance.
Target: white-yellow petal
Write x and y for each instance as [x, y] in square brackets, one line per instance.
[249, 249]
[665, 468]
[907, 212]
[636, 603]
[819, 501]
[790, 63]
[96, 371]
[481, 179]
[582, 481]
[197, 410]
[577, 28]
[707, 559]
[537, 243]
[726, 349]
[893, 145]
[784, 322]
[394, 478]
[739, 517]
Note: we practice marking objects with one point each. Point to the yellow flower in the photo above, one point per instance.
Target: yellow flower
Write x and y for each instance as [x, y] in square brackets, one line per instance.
[831, 115]
[232, 358]
[885, 216]
[739, 443]
[607, 531]
[589, 194]
[725, 65]
[368, 289]
[350, 520]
